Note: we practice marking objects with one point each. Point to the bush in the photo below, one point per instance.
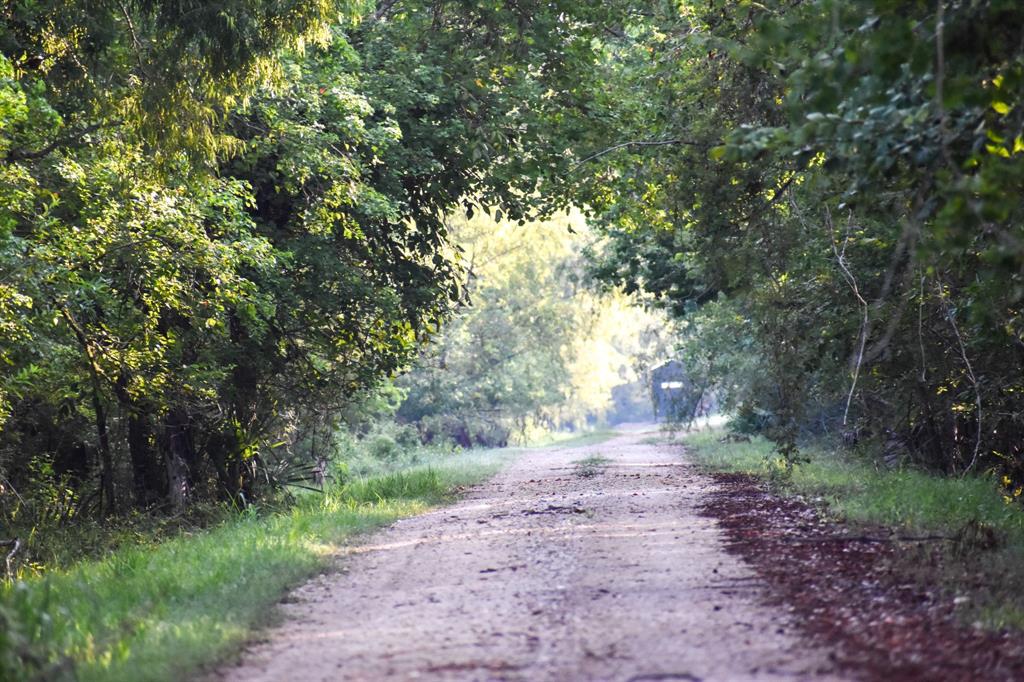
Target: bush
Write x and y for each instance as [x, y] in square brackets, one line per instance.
[387, 447]
[383, 447]
[749, 420]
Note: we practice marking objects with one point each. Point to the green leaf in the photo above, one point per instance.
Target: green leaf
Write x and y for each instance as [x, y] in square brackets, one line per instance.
[1001, 108]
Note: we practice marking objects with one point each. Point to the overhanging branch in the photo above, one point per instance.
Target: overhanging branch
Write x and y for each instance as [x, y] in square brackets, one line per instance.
[73, 139]
[634, 143]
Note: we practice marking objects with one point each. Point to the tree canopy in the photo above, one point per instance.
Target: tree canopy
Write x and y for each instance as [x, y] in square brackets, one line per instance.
[221, 223]
[845, 178]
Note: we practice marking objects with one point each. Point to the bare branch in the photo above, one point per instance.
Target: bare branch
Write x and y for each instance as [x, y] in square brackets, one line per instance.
[15, 545]
[384, 9]
[633, 143]
[970, 371]
[780, 191]
[852, 281]
[920, 331]
[135, 39]
[940, 78]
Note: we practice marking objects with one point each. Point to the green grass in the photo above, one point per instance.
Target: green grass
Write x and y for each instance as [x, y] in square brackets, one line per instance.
[984, 558]
[588, 467]
[576, 440]
[857, 491]
[160, 612]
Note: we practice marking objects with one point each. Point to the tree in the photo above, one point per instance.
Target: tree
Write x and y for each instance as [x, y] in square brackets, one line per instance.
[536, 346]
[843, 173]
[220, 223]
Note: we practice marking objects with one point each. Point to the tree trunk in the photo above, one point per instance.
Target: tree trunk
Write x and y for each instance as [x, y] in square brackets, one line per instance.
[146, 476]
[108, 502]
[178, 457]
[147, 480]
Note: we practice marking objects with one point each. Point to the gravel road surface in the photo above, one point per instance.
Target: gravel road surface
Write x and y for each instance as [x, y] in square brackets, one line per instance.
[553, 570]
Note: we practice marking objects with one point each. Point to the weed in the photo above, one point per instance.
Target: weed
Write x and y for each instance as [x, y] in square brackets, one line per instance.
[591, 466]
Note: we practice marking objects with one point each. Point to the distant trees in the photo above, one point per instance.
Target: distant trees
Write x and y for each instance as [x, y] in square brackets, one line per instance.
[535, 348]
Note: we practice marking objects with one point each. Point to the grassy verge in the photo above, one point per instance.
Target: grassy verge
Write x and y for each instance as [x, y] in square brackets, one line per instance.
[575, 440]
[983, 560]
[160, 612]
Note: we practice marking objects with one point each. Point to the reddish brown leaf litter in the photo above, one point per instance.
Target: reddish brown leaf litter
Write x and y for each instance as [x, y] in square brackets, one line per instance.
[849, 593]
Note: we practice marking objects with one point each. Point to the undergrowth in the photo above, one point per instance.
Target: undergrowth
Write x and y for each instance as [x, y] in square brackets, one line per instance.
[159, 611]
[980, 552]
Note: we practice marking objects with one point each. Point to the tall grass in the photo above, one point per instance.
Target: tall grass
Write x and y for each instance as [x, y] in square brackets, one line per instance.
[160, 612]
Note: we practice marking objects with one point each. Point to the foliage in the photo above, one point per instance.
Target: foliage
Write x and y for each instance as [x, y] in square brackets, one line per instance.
[386, 446]
[591, 466]
[535, 346]
[226, 227]
[221, 225]
[846, 175]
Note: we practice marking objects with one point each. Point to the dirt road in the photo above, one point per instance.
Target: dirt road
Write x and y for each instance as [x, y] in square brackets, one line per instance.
[551, 571]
